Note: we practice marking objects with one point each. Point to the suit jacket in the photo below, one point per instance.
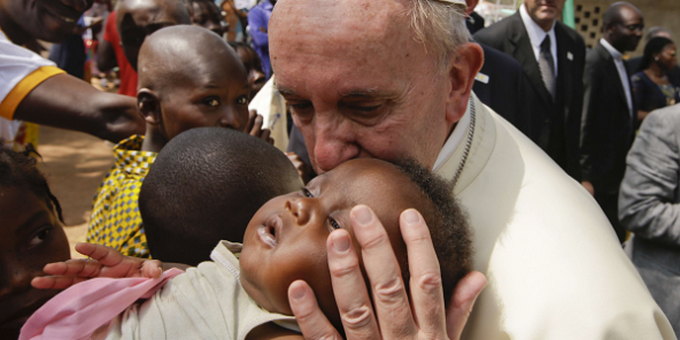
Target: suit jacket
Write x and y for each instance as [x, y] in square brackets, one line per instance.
[553, 124]
[607, 127]
[499, 86]
[649, 206]
[556, 269]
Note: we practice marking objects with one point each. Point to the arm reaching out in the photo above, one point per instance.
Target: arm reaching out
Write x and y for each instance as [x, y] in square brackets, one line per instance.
[395, 317]
[105, 262]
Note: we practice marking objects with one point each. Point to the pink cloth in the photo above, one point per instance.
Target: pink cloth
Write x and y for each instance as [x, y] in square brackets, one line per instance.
[81, 309]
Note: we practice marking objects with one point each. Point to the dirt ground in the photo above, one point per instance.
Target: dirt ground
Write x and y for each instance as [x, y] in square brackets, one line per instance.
[75, 164]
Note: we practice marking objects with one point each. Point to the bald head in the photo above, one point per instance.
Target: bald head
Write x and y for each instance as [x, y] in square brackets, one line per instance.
[623, 25]
[183, 54]
[136, 19]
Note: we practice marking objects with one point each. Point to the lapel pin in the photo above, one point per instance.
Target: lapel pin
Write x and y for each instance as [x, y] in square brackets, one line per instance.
[481, 77]
[570, 56]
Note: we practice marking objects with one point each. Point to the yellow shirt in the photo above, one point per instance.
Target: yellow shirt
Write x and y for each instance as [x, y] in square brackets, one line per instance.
[115, 220]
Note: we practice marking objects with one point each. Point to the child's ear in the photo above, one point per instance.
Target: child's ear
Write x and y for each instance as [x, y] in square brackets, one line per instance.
[149, 106]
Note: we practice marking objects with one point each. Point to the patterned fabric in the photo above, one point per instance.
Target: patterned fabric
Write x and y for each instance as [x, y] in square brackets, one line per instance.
[115, 220]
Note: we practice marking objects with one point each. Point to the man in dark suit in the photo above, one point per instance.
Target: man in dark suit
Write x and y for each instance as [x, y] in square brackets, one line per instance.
[552, 57]
[499, 86]
[608, 110]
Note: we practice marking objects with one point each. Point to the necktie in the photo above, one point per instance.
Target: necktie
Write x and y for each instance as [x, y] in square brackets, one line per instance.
[547, 66]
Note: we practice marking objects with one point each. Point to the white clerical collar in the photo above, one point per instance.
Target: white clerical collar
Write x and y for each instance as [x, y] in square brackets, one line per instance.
[614, 52]
[455, 138]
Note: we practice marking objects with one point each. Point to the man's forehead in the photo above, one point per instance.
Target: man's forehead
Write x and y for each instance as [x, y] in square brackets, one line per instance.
[145, 12]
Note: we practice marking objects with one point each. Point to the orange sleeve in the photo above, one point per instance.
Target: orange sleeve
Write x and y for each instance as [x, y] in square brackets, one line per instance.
[24, 87]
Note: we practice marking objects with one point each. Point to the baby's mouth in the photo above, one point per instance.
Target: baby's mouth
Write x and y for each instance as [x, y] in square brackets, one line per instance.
[269, 231]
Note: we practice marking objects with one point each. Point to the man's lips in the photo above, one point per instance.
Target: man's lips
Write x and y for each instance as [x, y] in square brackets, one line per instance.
[67, 14]
[270, 231]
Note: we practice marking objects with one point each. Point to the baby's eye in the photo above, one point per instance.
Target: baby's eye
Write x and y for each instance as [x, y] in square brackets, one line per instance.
[40, 237]
[242, 100]
[334, 223]
[307, 193]
[212, 102]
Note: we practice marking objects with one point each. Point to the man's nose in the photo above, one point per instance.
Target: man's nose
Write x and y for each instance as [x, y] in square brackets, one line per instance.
[301, 208]
[78, 5]
[331, 150]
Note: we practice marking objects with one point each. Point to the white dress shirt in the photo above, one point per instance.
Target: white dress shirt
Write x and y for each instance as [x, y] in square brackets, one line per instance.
[537, 35]
[618, 60]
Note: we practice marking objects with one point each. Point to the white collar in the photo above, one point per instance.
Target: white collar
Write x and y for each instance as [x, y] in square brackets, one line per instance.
[613, 51]
[455, 138]
[536, 33]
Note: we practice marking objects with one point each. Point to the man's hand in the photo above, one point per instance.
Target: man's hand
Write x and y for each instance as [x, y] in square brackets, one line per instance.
[589, 187]
[106, 262]
[254, 127]
[395, 317]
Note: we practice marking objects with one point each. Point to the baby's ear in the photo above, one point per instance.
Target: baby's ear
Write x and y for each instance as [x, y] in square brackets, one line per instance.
[149, 106]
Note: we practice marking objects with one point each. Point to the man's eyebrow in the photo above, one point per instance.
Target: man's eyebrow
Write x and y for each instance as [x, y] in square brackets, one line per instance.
[31, 220]
[365, 93]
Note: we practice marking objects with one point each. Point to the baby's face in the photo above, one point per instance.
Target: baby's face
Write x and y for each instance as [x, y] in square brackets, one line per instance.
[217, 95]
[286, 239]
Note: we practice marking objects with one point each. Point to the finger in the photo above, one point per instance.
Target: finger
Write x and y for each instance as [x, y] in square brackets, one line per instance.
[264, 135]
[426, 281]
[389, 296]
[463, 299]
[107, 256]
[55, 282]
[77, 267]
[313, 323]
[349, 288]
[256, 130]
[270, 141]
[151, 269]
[251, 120]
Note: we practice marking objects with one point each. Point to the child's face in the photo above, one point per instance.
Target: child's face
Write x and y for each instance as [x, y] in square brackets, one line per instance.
[253, 64]
[286, 239]
[203, 16]
[218, 97]
[31, 236]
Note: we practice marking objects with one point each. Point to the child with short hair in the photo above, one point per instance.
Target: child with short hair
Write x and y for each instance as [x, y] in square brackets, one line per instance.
[284, 241]
[188, 77]
[211, 182]
[31, 236]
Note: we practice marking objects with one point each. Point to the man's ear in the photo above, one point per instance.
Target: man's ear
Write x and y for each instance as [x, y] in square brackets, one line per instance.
[149, 106]
[463, 69]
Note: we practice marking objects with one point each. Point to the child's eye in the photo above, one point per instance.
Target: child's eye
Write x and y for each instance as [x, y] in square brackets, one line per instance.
[212, 102]
[242, 100]
[40, 237]
[307, 193]
[334, 223]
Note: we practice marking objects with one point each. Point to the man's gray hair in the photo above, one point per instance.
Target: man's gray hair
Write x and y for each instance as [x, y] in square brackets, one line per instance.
[440, 26]
[654, 31]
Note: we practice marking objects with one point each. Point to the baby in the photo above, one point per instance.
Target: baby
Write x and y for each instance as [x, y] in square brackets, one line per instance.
[286, 241]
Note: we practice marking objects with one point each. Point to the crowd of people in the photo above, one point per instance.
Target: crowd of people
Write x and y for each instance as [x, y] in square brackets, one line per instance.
[343, 169]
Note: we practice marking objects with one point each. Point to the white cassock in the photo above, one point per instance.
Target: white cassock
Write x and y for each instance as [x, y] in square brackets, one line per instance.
[555, 267]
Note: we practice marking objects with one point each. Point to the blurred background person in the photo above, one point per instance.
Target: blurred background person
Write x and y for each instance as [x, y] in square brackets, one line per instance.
[256, 76]
[649, 206]
[258, 23]
[205, 13]
[609, 113]
[655, 85]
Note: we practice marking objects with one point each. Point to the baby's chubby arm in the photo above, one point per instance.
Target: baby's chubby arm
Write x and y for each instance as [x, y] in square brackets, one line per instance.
[104, 262]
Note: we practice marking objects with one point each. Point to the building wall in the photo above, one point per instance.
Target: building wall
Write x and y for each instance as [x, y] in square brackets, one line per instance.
[588, 17]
